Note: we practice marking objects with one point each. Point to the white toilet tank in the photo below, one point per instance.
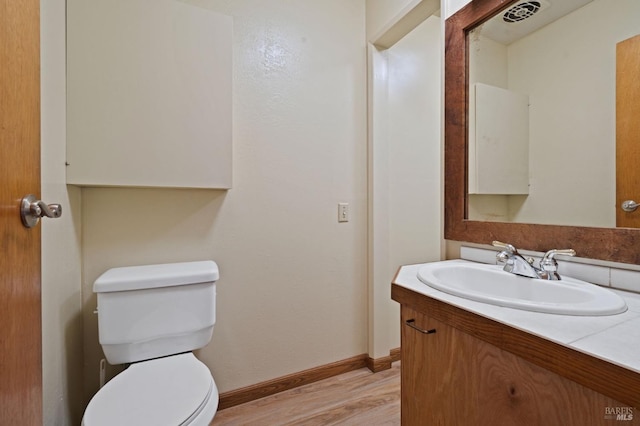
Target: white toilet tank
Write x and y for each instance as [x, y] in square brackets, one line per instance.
[151, 311]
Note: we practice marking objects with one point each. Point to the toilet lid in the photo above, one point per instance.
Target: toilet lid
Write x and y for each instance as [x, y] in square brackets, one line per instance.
[163, 391]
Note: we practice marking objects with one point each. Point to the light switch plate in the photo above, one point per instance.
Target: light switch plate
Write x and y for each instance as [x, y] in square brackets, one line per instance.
[343, 212]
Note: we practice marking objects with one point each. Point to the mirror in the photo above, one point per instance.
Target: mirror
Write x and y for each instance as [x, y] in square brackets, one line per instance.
[614, 244]
[550, 65]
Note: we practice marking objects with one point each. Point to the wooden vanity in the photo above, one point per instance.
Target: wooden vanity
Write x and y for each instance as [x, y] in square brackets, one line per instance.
[462, 368]
[463, 365]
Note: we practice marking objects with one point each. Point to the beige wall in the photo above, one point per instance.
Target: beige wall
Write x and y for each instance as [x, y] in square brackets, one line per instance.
[449, 7]
[404, 163]
[415, 210]
[568, 72]
[381, 14]
[567, 60]
[61, 301]
[292, 293]
[414, 145]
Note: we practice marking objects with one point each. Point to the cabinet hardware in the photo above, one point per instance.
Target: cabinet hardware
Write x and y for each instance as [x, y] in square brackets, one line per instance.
[411, 323]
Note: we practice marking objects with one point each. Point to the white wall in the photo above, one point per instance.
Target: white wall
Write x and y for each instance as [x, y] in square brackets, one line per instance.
[414, 65]
[404, 164]
[61, 301]
[382, 333]
[292, 293]
[383, 13]
[414, 151]
[449, 7]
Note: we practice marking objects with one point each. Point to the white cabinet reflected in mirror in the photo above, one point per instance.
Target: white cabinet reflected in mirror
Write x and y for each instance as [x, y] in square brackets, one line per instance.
[562, 55]
[498, 141]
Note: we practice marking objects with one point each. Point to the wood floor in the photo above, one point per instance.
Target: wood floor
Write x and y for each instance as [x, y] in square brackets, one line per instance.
[356, 398]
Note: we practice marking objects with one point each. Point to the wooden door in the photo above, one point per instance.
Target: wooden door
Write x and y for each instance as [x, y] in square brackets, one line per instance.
[628, 130]
[20, 312]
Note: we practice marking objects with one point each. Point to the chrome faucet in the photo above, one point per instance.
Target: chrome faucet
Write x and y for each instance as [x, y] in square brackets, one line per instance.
[515, 263]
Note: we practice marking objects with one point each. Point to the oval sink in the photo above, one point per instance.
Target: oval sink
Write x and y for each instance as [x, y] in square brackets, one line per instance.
[490, 284]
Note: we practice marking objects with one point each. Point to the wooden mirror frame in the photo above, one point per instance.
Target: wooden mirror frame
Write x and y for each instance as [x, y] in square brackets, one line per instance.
[612, 244]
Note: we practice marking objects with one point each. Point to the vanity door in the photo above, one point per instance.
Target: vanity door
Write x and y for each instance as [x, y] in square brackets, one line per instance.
[434, 381]
[450, 377]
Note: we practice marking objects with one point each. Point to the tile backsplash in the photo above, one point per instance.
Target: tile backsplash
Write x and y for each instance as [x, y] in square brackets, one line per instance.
[609, 274]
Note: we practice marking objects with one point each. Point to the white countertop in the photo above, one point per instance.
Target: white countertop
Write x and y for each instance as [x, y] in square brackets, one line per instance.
[614, 338]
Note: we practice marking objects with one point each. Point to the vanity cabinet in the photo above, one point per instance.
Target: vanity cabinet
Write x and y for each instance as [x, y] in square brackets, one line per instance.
[451, 374]
[149, 86]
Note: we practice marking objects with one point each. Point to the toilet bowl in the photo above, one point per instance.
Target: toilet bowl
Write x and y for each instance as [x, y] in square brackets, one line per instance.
[151, 317]
[177, 390]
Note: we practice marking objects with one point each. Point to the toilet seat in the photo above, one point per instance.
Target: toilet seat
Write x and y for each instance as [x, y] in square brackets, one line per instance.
[174, 391]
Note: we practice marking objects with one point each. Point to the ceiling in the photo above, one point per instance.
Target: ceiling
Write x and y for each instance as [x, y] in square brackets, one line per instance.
[550, 10]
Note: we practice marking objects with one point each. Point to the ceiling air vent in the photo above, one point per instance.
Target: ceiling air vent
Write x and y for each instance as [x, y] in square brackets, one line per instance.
[521, 11]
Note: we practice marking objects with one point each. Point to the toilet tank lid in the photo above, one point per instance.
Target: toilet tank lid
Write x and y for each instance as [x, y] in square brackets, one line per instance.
[155, 276]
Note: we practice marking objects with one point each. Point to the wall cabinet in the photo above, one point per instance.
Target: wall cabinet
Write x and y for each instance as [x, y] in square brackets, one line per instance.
[148, 94]
[459, 368]
[498, 141]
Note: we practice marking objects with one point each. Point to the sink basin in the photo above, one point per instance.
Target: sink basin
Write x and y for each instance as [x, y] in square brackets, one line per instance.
[490, 284]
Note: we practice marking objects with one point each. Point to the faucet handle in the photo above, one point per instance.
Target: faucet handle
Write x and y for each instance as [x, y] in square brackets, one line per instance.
[503, 257]
[504, 246]
[549, 264]
[548, 256]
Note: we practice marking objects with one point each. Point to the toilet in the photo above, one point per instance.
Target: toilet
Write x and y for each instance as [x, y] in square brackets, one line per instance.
[152, 317]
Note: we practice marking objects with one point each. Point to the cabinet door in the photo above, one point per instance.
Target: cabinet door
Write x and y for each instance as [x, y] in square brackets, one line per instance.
[452, 378]
[434, 383]
[149, 85]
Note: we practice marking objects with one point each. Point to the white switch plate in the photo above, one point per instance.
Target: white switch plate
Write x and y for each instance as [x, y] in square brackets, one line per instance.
[343, 212]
